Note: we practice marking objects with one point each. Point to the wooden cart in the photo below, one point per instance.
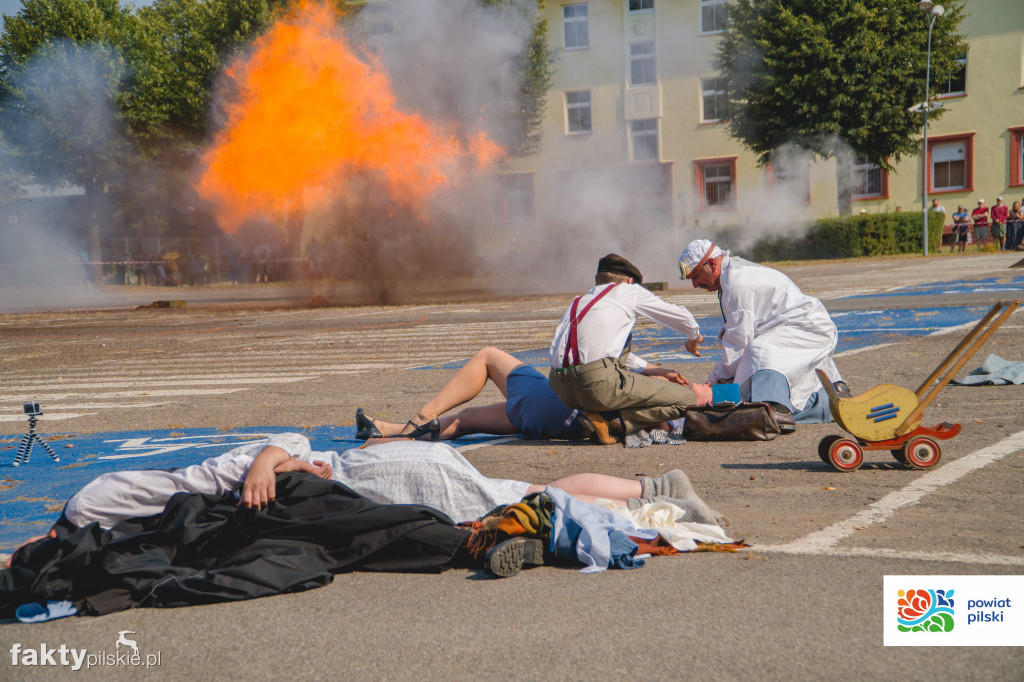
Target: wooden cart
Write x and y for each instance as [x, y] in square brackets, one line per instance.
[888, 417]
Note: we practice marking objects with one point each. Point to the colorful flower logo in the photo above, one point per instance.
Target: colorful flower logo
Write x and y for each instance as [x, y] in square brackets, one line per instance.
[925, 611]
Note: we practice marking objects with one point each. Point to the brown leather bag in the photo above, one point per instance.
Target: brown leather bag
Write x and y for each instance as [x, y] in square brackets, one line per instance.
[731, 421]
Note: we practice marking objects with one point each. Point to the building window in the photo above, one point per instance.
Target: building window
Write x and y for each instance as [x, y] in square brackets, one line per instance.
[641, 5]
[647, 191]
[644, 136]
[870, 181]
[575, 27]
[1017, 156]
[716, 183]
[950, 161]
[792, 176]
[577, 111]
[515, 197]
[956, 84]
[641, 63]
[712, 93]
[712, 16]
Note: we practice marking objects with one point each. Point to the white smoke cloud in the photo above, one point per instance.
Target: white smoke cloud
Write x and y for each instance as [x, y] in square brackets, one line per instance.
[67, 122]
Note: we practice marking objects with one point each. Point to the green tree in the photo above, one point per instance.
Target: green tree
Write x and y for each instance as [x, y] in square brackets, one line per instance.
[62, 66]
[833, 78]
[187, 43]
[183, 47]
[61, 69]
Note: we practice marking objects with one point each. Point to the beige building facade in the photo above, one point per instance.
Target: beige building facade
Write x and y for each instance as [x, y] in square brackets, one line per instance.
[634, 97]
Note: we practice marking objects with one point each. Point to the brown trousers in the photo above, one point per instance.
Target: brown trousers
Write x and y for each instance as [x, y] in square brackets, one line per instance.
[607, 384]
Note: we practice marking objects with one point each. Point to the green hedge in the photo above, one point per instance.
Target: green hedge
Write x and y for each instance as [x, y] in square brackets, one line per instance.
[876, 234]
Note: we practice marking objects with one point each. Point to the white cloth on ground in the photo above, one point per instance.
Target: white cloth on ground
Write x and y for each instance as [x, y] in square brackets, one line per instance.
[771, 324]
[604, 330]
[670, 522]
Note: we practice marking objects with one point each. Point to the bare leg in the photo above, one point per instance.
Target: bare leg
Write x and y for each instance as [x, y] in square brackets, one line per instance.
[488, 363]
[486, 419]
[588, 487]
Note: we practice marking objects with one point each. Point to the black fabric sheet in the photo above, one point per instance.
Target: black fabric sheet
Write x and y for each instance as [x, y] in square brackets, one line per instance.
[204, 549]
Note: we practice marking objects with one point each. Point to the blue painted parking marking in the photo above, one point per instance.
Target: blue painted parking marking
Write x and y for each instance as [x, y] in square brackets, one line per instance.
[1010, 283]
[857, 329]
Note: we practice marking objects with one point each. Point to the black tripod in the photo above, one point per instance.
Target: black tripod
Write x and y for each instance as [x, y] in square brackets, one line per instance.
[30, 439]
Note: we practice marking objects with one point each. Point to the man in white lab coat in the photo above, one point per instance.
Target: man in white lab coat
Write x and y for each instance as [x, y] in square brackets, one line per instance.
[774, 335]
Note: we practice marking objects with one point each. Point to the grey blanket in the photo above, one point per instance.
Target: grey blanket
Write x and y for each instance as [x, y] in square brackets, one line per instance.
[994, 372]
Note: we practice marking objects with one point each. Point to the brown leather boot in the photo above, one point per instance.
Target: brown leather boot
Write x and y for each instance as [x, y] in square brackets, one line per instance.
[599, 427]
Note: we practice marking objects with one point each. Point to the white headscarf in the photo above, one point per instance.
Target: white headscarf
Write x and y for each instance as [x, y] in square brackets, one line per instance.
[694, 253]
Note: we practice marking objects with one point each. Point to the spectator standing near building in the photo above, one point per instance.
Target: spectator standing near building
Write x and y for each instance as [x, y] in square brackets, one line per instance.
[140, 267]
[936, 208]
[1015, 227]
[1000, 213]
[961, 228]
[979, 217]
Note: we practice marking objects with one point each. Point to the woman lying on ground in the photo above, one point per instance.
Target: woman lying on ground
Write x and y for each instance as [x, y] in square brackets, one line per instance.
[530, 409]
[405, 472]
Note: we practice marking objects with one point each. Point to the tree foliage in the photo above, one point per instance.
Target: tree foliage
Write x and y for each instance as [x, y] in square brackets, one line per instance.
[857, 236]
[830, 77]
[185, 44]
[535, 68]
[62, 68]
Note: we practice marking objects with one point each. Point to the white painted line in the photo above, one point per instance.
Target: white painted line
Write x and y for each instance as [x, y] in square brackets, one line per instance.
[152, 375]
[496, 441]
[156, 383]
[49, 416]
[855, 351]
[42, 396]
[827, 538]
[94, 406]
[883, 553]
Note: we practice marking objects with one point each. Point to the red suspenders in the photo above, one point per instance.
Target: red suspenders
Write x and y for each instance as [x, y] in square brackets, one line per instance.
[572, 345]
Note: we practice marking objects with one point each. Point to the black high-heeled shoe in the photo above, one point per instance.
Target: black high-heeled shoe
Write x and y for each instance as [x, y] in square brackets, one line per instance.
[433, 427]
[365, 427]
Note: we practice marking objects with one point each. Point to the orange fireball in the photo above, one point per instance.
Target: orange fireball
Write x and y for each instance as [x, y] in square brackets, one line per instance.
[307, 114]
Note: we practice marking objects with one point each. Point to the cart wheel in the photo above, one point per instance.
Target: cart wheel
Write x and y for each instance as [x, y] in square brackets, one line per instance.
[845, 455]
[922, 453]
[825, 444]
[900, 455]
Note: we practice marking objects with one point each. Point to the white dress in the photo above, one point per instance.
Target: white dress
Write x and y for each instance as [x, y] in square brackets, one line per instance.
[771, 324]
[413, 472]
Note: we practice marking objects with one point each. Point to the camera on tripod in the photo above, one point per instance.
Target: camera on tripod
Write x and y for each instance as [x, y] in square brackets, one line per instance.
[32, 411]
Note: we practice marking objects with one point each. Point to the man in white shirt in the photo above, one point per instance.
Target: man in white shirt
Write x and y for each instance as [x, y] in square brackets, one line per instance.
[592, 368]
[774, 335]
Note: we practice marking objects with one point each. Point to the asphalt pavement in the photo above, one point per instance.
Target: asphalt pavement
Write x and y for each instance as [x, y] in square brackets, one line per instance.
[805, 602]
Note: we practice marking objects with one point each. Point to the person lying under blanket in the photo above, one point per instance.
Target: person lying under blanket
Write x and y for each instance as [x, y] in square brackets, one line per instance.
[405, 472]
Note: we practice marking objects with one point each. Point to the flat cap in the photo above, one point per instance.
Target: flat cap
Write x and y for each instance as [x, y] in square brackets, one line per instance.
[616, 264]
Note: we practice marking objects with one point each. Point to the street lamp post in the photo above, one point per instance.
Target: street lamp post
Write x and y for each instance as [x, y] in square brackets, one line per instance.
[934, 12]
